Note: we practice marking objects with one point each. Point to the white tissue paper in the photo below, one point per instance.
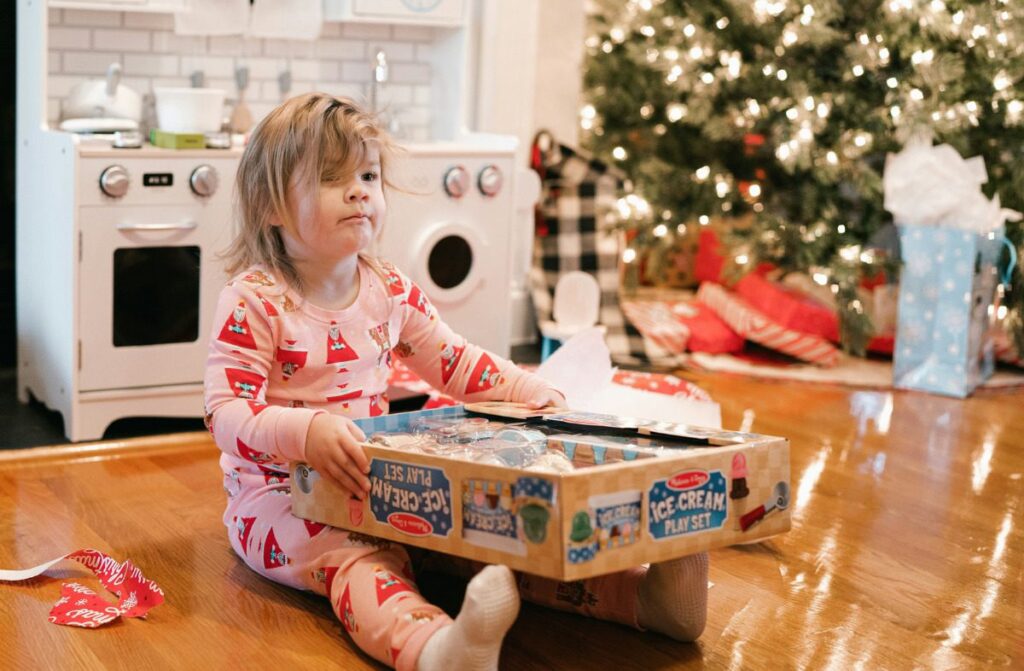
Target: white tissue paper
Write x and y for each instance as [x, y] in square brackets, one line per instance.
[929, 185]
[582, 369]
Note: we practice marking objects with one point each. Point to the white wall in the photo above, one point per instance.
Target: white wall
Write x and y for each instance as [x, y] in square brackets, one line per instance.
[529, 78]
[559, 83]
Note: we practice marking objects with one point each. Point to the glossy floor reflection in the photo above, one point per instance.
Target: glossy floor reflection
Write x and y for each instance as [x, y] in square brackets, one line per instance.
[906, 552]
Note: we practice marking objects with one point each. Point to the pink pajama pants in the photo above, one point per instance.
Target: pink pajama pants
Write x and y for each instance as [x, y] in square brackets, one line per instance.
[369, 581]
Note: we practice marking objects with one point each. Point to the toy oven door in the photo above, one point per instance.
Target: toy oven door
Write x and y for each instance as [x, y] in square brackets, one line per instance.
[148, 285]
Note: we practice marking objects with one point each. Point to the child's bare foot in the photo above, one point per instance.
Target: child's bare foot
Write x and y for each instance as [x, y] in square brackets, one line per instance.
[673, 597]
[473, 641]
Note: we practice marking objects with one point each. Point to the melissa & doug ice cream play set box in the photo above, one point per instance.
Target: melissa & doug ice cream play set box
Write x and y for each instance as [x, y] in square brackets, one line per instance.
[565, 495]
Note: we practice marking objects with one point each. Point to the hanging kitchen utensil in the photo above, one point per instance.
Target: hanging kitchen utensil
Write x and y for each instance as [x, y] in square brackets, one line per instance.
[104, 99]
[241, 117]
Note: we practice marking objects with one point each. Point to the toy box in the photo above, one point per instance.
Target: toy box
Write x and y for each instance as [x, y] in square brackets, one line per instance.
[636, 491]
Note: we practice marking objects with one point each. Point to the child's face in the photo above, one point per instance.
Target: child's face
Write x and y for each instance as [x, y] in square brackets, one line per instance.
[345, 217]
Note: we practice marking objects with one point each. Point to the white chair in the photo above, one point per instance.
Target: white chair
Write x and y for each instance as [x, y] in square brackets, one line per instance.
[576, 307]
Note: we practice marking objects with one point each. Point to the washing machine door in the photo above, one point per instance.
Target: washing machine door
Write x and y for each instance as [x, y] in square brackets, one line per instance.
[449, 262]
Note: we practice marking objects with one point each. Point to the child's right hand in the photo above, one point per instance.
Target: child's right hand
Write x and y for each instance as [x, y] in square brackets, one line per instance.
[332, 448]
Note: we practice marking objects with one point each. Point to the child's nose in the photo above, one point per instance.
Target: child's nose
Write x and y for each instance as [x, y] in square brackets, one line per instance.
[356, 193]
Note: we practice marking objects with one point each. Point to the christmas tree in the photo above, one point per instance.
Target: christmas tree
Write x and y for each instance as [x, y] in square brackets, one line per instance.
[780, 114]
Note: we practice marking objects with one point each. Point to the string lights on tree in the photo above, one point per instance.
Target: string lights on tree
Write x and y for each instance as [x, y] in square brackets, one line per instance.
[780, 113]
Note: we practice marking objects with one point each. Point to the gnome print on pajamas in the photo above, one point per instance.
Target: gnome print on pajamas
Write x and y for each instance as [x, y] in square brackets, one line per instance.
[338, 350]
[236, 329]
[291, 359]
[348, 618]
[245, 383]
[393, 280]
[244, 526]
[450, 357]
[249, 454]
[268, 307]
[485, 375]
[273, 555]
[388, 584]
[418, 300]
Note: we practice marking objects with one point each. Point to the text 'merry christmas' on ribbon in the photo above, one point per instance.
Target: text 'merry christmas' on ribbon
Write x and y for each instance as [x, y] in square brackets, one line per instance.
[80, 606]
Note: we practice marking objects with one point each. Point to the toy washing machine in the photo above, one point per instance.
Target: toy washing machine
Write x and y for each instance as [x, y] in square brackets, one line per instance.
[452, 222]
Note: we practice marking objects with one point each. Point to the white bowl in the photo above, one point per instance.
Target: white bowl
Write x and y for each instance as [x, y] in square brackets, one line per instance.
[189, 110]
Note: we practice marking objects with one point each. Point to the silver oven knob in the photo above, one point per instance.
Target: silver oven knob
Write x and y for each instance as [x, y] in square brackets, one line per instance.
[456, 181]
[490, 180]
[203, 181]
[114, 181]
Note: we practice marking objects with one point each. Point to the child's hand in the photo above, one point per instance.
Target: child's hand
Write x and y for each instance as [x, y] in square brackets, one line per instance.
[332, 448]
[549, 398]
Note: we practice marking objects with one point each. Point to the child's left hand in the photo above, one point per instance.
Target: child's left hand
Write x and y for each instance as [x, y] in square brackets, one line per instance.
[549, 398]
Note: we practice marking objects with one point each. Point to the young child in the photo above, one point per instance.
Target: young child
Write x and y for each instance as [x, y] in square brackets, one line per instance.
[302, 343]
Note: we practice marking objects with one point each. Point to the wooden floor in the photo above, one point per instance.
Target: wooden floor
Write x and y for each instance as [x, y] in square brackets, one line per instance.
[906, 552]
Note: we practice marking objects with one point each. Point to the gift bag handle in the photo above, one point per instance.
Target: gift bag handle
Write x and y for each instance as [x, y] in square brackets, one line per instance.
[1007, 274]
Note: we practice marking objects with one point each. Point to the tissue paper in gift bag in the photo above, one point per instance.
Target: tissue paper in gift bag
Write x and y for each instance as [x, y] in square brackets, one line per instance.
[943, 340]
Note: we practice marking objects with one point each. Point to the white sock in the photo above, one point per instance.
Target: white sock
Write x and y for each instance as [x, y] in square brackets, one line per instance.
[473, 641]
[673, 597]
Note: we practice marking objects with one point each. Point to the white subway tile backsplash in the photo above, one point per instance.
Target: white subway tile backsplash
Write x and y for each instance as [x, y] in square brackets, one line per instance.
[260, 110]
[314, 70]
[169, 82]
[340, 49]
[289, 49]
[226, 45]
[395, 51]
[69, 38]
[272, 92]
[396, 94]
[83, 43]
[410, 73]
[61, 85]
[82, 17]
[88, 62]
[413, 116]
[149, 20]
[366, 31]
[165, 42]
[356, 71]
[424, 52]
[412, 33]
[263, 68]
[122, 40]
[211, 66]
[345, 89]
[154, 65]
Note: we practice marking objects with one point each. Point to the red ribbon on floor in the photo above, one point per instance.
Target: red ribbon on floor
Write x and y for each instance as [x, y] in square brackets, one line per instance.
[80, 606]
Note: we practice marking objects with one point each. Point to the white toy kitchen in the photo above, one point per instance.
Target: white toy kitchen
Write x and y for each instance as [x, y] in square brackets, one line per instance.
[117, 240]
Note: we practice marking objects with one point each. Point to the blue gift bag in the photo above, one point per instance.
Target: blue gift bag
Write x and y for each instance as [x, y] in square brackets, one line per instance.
[947, 285]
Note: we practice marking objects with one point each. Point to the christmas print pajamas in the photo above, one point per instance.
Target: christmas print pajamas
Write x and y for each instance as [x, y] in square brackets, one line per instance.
[275, 362]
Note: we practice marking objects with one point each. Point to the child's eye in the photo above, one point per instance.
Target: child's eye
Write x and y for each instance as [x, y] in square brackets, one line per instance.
[370, 176]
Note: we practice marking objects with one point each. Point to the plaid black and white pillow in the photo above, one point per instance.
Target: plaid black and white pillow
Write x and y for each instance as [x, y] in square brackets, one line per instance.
[577, 193]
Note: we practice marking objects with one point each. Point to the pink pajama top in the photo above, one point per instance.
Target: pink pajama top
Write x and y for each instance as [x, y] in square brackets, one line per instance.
[276, 360]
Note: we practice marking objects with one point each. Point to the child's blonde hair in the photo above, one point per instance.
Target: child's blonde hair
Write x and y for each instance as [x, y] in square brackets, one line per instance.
[299, 141]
